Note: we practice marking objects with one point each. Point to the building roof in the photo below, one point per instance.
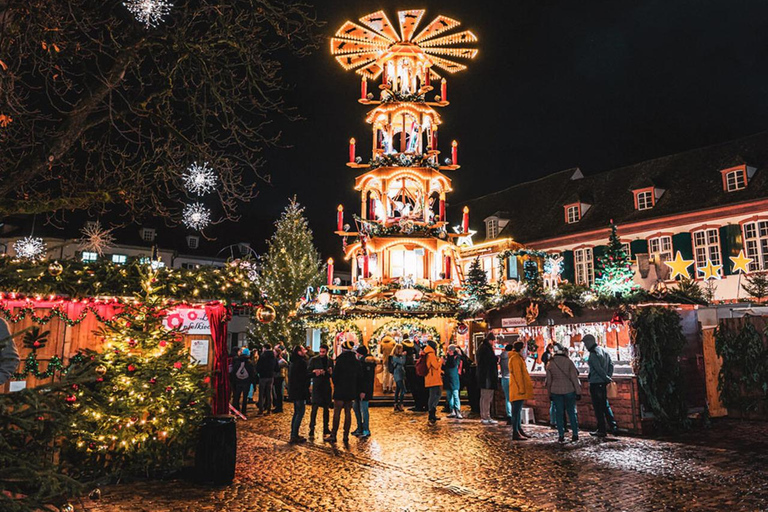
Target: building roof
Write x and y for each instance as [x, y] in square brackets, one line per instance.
[691, 181]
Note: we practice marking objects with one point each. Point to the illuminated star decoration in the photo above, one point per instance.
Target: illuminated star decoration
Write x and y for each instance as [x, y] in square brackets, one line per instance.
[199, 179]
[95, 238]
[465, 240]
[553, 265]
[711, 271]
[29, 248]
[149, 12]
[741, 262]
[196, 216]
[679, 266]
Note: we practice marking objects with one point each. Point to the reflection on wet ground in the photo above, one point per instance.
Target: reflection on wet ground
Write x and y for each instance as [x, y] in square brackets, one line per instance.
[462, 465]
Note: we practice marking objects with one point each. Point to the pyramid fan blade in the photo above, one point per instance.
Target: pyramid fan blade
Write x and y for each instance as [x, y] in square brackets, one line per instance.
[448, 65]
[379, 22]
[342, 46]
[353, 61]
[409, 20]
[459, 38]
[464, 53]
[354, 31]
[436, 27]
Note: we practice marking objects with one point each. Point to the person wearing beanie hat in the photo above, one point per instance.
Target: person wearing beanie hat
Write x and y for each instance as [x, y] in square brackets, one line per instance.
[347, 377]
[600, 375]
[243, 374]
[368, 365]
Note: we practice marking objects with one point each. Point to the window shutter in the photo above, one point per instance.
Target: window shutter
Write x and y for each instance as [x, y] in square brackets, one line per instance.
[638, 246]
[731, 243]
[682, 242]
[568, 270]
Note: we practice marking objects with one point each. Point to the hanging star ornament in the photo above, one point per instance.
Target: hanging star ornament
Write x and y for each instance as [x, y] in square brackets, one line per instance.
[196, 216]
[741, 262]
[711, 271]
[466, 239]
[199, 179]
[95, 238]
[149, 12]
[679, 266]
[29, 248]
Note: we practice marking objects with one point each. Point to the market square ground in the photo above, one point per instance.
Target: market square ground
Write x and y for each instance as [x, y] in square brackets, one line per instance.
[408, 466]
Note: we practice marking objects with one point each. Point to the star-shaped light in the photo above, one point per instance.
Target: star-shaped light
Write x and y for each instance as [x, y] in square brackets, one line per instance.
[711, 271]
[465, 240]
[679, 266]
[741, 262]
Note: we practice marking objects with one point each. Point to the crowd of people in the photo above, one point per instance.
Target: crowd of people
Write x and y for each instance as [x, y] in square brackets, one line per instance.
[345, 385]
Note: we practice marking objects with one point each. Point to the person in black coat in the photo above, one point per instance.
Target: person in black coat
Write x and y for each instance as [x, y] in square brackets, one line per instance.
[368, 375]
[347, 375]
[298, 390]
[242, 375]
[266, 367]
[320, 370]
[487, 377]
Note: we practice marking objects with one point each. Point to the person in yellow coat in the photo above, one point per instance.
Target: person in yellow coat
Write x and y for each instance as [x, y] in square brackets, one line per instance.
[432, 380]
[520, 388]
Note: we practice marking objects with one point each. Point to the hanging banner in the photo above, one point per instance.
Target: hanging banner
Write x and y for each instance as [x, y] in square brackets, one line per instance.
[513, 322]
[189, 320]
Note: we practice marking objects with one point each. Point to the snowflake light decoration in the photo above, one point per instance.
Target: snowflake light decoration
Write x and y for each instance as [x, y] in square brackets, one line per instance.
[196, 216]
[149, 12]
[95, 238]
[199, 179]
[29, 248]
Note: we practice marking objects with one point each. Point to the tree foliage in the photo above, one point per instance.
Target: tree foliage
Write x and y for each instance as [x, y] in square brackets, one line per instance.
[659, 341]
[477, 291]
[98, 111]
[614, 269]
[743, 378]
[756, 285]
[292, 264]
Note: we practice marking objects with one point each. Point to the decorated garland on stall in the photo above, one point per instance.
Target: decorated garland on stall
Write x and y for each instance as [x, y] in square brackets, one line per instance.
[403, 324]
[28, 312]
[330, 329]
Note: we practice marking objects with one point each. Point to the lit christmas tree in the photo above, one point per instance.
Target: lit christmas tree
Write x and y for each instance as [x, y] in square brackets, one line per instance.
[477, 291]
[292, 264]
[142, 414]
[614, 269]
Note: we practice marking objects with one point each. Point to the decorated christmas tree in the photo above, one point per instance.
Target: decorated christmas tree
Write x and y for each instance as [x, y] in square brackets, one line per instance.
[756, 285]
[477, 291]
[614, 269]
[142, 414]
[291, 266]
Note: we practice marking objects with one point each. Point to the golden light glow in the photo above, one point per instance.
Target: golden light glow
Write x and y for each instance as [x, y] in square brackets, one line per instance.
[352, 140]
[340, 208]
[454, 143]
[330, 261]
[466, 209]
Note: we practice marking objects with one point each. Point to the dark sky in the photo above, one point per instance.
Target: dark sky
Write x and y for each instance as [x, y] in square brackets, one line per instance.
[557, 84]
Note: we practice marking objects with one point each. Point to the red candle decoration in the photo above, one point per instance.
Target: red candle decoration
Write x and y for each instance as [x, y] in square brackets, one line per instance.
[447, 266]
[442, 206]
[434, 139]
[363, 88]
[426, 77]
[340, 218]
[372, 208]
[365, 266]
[330, 271]
[444, 90]
[465, 220]
[455, 152]
[352, 150]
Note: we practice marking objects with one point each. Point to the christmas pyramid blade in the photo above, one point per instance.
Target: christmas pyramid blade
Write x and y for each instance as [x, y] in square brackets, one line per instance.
[409, 20]
[466, 36]
[355, 32]
[379, 22]
[436, 27]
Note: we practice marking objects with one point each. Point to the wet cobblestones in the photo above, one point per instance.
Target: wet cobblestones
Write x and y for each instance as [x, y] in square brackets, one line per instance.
[408, 466]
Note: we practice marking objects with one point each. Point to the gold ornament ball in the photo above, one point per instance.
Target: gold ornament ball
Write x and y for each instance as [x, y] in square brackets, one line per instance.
[265, 314]
[55, 269]
[101, 369]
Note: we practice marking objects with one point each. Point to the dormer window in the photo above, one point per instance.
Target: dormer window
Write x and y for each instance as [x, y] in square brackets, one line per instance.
[646, 198]
[572, 213]
[148, 234]
[491, 228]
[737, 178]
[193, 241]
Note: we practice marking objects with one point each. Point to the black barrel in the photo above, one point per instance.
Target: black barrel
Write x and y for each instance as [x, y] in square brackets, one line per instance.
[216, 451]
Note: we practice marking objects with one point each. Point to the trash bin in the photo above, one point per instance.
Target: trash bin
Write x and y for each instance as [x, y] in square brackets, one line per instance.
[216, 451]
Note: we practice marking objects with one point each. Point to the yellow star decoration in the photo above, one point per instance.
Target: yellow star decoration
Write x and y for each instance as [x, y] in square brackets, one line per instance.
[741, 262]
[711, 271]
[679, 266]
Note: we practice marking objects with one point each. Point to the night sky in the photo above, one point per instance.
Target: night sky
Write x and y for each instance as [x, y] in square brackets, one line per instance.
[557, 84]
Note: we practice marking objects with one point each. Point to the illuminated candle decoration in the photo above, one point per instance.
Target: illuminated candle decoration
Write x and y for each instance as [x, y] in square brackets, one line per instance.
[442, 206]
[465, 220]
[330, 271]
[455, 152]
[340, 218]
[364, 88]
[444, 90]
[352, 150]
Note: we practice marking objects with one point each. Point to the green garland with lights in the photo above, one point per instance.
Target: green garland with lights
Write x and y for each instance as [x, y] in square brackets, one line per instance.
[28, 312]
[77, 279]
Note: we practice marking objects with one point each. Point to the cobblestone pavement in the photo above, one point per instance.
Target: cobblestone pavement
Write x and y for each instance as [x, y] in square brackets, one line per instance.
[465, 466]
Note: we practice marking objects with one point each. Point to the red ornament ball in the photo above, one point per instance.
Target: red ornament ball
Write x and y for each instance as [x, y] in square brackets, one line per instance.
[177, 365]
[70, 399]
[162, 343]
[131, 368]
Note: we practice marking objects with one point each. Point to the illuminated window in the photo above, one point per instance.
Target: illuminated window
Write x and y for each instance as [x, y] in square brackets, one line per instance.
[119, 259]
[735, 180]
[572, 214]
[661, 246]
[706, 246]
[403, 263]
[645, 200]
[584, 266]
[756, 244]
[90, 256]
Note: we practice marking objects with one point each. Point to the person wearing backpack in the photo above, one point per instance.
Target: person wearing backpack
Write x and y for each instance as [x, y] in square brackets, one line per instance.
[398, 372]
[243, 374]
[564, 389]
[432, 380]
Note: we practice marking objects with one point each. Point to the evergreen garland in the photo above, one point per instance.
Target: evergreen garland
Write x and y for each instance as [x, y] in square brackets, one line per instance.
[658, 342]
[743, 378]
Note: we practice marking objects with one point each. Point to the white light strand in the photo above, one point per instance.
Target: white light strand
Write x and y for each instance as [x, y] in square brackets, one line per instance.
[196, 216]
[29, 248]
[149, 12]
[200, 179]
